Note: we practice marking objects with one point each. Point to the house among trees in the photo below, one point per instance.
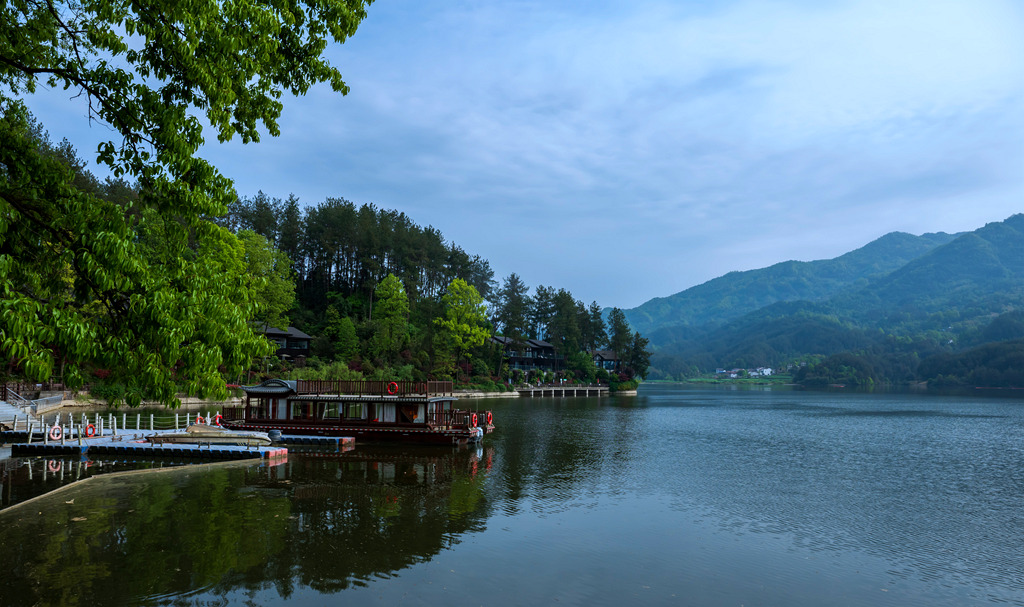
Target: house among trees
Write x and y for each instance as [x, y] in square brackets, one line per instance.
[529, 354]
[605, 359]
[291, 343]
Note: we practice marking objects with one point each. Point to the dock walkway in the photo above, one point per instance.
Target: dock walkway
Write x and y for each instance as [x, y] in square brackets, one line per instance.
[563, 390]
[135, 445]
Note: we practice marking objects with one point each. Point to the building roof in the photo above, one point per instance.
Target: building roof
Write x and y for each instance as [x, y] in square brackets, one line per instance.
[272, 386]
[605, 354]
[291, 332]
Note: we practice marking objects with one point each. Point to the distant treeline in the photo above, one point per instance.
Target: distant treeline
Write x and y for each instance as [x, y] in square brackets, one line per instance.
[990, 356]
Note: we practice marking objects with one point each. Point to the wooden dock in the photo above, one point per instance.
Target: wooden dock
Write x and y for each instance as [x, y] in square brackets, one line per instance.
[136, 445]
[563, 390]
[129, 445]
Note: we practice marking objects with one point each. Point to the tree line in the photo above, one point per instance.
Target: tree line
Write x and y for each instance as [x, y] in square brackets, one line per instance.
[383, 295]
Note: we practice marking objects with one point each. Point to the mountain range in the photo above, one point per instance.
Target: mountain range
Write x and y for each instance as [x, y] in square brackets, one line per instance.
[901, 297]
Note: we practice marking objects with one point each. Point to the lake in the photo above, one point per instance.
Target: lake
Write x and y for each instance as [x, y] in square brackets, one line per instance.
[678, 496]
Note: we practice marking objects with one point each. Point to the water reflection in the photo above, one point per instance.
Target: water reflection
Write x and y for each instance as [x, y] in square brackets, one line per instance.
[326, 523]
[704, 497]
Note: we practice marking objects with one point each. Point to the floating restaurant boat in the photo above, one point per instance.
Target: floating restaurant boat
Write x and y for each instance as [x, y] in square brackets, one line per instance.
[205, 434]
[369, 411]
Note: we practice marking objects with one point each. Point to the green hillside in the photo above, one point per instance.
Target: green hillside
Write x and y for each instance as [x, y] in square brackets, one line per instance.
[956, 304]
[956, 285]
[737, 293]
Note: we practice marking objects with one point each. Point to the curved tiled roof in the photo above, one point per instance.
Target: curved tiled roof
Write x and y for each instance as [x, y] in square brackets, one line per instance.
[272, 386]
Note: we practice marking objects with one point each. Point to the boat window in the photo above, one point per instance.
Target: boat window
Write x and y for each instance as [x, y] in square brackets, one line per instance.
[302, 409]
[353, 410]
[331, 411]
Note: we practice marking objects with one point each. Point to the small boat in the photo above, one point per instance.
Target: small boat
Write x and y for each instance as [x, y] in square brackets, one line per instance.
[204, 434]
[370, 411]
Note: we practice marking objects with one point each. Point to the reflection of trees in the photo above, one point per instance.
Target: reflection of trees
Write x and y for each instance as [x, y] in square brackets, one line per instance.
[325, 523]
[372, 513]
[558, 451]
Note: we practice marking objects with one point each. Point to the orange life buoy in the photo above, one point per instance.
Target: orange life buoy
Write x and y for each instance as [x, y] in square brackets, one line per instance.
[392, 388]
[56, 432]
[90, 430]
[490, 418]
[474, 420]
[199, 418]
[217, 418]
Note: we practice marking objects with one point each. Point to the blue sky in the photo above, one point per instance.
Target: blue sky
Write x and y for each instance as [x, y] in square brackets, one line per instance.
[630, 150]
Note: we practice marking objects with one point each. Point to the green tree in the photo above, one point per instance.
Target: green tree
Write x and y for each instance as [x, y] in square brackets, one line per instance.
[271, 275]
[463, 326]
[596, 334]
[513, 306]
[620, 337]
[75, 284]
[347, 344]
[639, 357]
[542, 309]
[563, 330]
[84, 283]
[390, 317]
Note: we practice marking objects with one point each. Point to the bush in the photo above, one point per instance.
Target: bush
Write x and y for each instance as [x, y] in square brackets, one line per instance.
[109, 392]
[629, 384]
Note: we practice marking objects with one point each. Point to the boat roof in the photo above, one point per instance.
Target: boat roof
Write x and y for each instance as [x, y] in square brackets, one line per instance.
[272, 386]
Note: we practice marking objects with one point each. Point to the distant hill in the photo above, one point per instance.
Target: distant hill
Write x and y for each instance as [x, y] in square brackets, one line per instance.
[977, 274]
[887, 306]
[737, 293]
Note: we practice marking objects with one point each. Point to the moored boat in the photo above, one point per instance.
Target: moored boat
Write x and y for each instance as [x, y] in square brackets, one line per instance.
[204, 434]
[369, 411]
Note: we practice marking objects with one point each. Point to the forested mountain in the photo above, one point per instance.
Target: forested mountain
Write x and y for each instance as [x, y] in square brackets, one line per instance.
[737, 293]
[978, 274]
[946, 298]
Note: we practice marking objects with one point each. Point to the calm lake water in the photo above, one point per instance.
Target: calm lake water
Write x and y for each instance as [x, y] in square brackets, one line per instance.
[679, 496]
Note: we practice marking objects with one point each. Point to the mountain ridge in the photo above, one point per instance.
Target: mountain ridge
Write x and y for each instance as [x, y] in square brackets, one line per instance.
[899, 299]
[739, 292]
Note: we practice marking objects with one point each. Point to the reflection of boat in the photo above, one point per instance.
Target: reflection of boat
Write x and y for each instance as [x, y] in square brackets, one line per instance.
[212, 435]
[415, 412]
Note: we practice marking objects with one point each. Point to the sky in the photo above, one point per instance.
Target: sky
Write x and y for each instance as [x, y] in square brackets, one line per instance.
[626, 150]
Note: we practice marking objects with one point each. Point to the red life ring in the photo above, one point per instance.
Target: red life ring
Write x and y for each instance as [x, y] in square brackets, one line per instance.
[199, 418]
[90, 431]
[217, 418]
[56, 432]
[473, 420]
[392, 388]
[54, 465]
[490, 418]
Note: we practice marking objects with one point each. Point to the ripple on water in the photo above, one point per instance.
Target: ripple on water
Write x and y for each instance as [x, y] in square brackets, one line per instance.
[935, 488]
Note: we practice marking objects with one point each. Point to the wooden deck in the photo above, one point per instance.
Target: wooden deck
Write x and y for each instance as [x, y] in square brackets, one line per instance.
[374, 388]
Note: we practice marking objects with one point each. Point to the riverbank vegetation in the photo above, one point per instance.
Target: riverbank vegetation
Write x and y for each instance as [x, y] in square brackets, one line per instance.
[383, 297]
